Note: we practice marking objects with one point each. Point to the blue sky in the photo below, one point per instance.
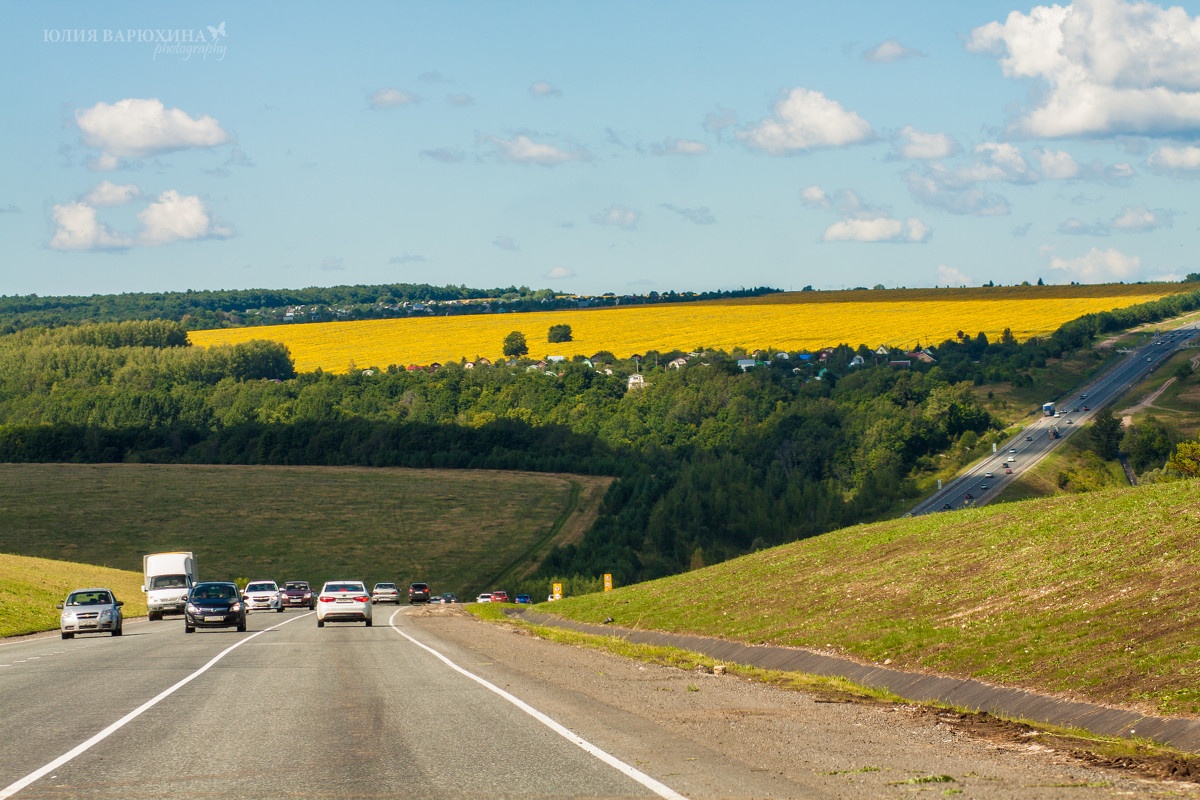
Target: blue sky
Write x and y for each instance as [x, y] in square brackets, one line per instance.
[592, 147]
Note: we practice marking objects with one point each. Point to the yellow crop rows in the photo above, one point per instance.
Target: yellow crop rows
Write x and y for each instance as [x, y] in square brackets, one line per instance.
[786, 321]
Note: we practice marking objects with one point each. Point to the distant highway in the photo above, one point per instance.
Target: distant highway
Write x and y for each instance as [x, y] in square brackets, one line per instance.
[984, 479]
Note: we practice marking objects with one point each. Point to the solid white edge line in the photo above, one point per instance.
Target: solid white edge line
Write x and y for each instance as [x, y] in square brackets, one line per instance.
[13, 788]
[660, 789]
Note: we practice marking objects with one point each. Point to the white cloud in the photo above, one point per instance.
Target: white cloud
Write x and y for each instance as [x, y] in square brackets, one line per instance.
[107, 194]
[523, 150]
[174, 217]
[1110, 67]
[815, 196]
[1056, 165]
[804, 120]
[889, 51]
[952, 276]
[876, 229]
[1139, 219]
[560, 272]
[505, 243]
[105, 162]
[679, 147]
[1098, 266]
[135, 128]
[617, 216]
[1178, 161]
[77, 229]
[390, 98]
[700, 215]
[544, 89]
[917, 145]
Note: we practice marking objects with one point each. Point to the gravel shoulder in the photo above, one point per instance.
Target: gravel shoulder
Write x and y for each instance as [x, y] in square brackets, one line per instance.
[772, 742]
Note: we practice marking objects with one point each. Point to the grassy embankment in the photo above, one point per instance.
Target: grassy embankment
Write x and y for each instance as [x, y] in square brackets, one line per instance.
[460, 531]
[1091, 595]
[31, 587]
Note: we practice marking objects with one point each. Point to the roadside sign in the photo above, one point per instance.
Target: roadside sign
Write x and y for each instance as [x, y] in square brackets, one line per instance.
[608, 582]
[558, 591]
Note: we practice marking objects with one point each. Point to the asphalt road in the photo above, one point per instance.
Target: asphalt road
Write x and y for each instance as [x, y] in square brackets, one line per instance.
[984, 480]
[295, 711]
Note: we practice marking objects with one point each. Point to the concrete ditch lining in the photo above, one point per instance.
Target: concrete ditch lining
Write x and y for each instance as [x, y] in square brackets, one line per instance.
[1182, 734]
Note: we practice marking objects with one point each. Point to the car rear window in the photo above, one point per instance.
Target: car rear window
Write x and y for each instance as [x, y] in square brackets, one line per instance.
[345, 587]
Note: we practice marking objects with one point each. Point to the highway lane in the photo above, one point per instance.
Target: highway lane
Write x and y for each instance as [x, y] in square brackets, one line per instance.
[984, 479]
[297, 711]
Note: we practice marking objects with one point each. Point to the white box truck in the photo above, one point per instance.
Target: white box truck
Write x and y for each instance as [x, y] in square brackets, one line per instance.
[168, 579]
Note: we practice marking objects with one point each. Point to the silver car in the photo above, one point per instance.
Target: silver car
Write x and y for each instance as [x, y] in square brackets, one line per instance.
[90, 611]
[262, 595]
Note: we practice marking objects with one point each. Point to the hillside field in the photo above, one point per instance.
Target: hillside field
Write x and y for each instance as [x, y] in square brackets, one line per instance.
[460, 531]
[788, 321]
[1090, 595]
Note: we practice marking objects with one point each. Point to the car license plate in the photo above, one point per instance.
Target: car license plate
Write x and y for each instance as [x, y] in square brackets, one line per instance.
[214, 619]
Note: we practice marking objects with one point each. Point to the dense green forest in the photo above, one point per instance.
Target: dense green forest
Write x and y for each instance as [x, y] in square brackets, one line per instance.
[711, 461]
[197, 310]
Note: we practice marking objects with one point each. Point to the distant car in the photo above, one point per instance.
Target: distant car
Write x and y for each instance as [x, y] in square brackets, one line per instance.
[214, 604]
[385, 593]
[1083, 397]
[988, 475]
[969, 496]
[483, 598]
[343, 601]
[1008, 471]
[298, 594]
[1029, 438]
[1075, 410]
[1012, 449]
[418, 593]
[262, 596]
[524, 599]
[1070, 422]
[946, 506]
[449, 597]
[500, 597]
[90, 611]
[983, 487]
[1086, 408]
[1012, 459]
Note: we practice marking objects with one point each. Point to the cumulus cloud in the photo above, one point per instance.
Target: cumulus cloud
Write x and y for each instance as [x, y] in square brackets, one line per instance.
[1098, 266]
[523, 150]
[679, 147]
[952, 276]
[617, 216]
[77, 229]
[877, 229]
[135, 128]
[889, 51]
[505, 243]
[1177, 161]
[560, 272]
[1109, 67]
[699, 214]
[107, 194]
[815, 196]
[173, 217]
[920, 146]
[544, 89]
[390, 98]
[804, 120]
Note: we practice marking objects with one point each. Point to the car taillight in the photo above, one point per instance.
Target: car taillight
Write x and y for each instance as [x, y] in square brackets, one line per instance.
[327, 599]
[362, 598]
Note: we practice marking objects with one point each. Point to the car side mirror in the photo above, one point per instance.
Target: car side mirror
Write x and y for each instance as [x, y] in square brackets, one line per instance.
[120, 603]
[60, 605]
[245, 597]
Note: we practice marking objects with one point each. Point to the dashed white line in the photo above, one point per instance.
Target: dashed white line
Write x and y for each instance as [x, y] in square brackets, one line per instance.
[660, 789]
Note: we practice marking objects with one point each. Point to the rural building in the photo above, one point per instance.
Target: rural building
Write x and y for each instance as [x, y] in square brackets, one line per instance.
[677, 363]
[636, 381]
[857, 361]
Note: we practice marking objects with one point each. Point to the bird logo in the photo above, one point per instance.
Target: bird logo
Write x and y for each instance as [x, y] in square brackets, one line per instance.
[218, 31]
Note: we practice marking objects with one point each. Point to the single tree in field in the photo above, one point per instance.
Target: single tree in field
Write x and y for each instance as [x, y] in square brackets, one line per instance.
[514, 345]
[1106, 434]
[1186, 459]
[559, 333]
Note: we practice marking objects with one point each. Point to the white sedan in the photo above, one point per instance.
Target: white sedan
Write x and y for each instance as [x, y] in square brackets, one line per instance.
[486, 597]
[262, 596]
[343, 601]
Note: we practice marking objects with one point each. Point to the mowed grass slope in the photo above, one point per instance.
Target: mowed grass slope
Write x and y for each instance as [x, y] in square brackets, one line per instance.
[786, 320]
[1092, 595]
[457, 530]
[31, 587]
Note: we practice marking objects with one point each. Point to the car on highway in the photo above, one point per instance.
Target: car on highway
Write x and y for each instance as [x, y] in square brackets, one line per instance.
[1008, 470]
[524, 599]
[983, 487]
[214, 604]
[1029, 438]
[483, 598]
[969, 496]
[297, 594]
[343, 601]
[385, 593]
[1085, 408]
[500, 596]
[418, 593]
[1012, 459]
[90, 611]
[262, 596]
[988, 475]
[1070, 422]
[946, 506]
[1012, 449]
[449, 597]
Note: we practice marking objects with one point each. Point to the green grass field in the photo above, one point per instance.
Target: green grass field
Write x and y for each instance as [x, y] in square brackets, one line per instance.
[1090, 594]
[31, 587]
[459, 531]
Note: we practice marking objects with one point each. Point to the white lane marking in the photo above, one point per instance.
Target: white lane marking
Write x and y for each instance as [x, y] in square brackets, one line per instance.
[13, 788]
[660, 789]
